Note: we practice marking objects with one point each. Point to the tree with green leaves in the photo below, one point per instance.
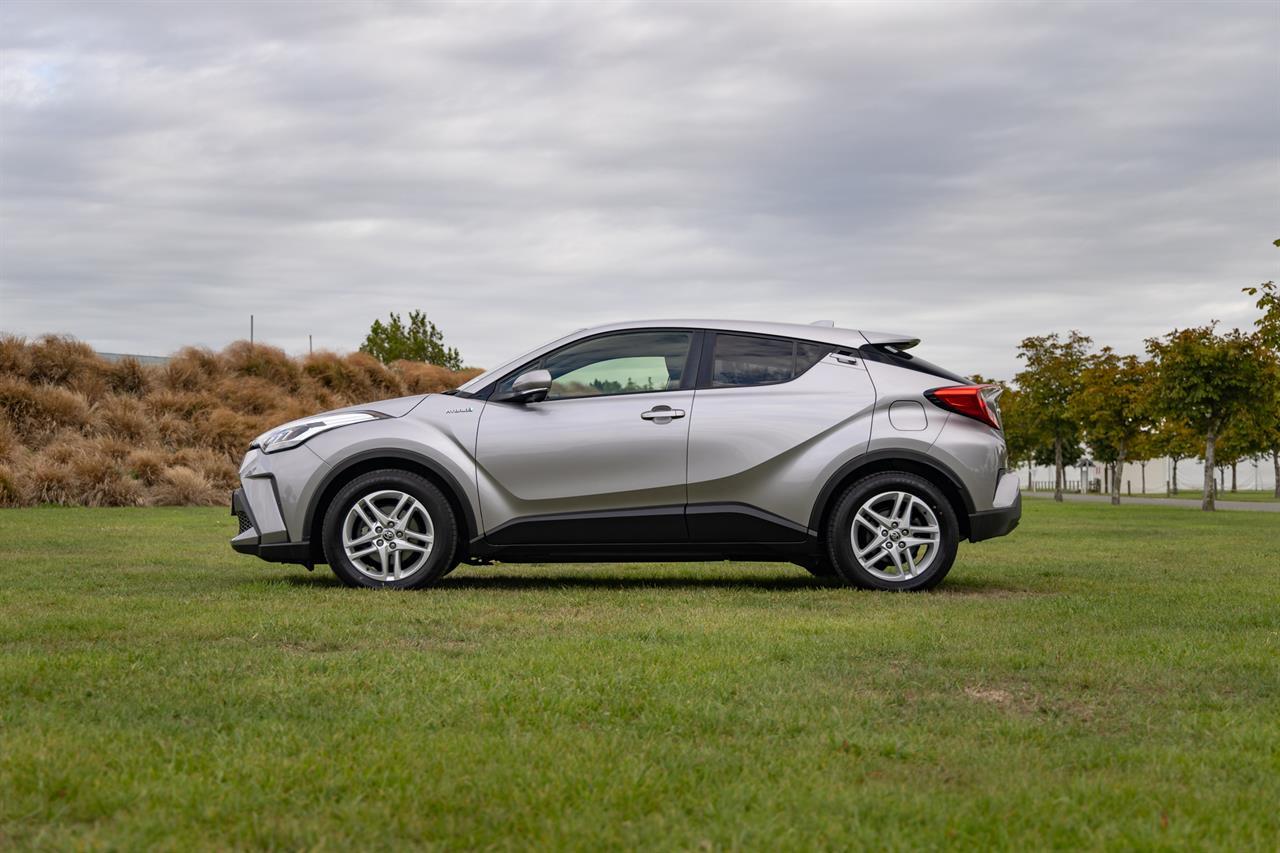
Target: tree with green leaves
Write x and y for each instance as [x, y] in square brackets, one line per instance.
[1208, 380]
[1175, 439]
[1257, 431]
[419, 340]
[1143, 448]
[1019, 436]
[1112, 406]
[1265, 418]
[1269, 304]
[1048, 382]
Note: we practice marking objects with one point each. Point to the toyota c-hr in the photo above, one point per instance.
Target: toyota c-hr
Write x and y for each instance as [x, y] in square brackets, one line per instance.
[679, 440]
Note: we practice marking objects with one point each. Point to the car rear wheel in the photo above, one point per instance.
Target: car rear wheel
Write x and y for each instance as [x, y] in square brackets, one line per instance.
[893, 531]
[390, 529]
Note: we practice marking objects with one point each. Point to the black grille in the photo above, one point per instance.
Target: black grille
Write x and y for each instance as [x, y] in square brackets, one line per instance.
[243, 518]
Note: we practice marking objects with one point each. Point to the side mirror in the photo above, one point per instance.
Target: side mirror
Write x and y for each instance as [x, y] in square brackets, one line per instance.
[530, 387]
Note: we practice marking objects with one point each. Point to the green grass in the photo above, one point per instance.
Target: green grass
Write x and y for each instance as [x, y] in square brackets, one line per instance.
[1102, 678]
[1267, 495]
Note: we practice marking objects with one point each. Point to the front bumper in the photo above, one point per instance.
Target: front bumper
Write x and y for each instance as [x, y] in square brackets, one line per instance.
[250, 541]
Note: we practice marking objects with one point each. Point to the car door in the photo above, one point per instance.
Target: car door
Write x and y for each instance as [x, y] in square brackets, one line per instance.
[603, 458]
[776, 417]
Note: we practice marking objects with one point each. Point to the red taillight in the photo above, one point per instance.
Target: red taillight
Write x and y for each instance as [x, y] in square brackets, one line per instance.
[972, 401]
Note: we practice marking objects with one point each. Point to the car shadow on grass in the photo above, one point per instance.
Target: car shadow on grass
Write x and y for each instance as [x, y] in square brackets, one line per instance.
[642, 581]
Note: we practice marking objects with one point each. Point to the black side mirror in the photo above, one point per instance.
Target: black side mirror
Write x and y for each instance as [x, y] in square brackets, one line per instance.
[530, 387]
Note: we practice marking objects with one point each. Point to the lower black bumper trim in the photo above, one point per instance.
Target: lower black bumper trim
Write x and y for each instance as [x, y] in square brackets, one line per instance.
[275, 552]
[249, 542]
[995, 522]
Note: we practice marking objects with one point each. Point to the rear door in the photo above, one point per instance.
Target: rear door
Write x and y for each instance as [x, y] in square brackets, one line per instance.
[603, 458]
[776, 417]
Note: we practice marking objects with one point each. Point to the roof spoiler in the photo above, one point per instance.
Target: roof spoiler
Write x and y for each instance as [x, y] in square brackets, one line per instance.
[896, 341]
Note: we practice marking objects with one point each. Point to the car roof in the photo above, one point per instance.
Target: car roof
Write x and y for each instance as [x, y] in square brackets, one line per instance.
[808, 331]
[823, 333]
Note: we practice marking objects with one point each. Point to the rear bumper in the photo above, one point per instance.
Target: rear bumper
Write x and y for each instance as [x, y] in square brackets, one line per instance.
[995, 522]
[249, 540]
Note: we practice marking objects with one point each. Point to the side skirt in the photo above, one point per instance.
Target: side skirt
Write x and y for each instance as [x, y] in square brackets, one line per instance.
[668, 533]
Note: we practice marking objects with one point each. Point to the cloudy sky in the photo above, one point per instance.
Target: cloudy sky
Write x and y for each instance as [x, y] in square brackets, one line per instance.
[970, 173]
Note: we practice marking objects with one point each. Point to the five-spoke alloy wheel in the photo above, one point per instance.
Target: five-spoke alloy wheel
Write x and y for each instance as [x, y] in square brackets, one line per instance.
[389, 529]
[893, 531]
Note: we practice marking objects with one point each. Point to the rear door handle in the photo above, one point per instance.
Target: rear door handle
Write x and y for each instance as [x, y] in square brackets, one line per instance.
[662, 414]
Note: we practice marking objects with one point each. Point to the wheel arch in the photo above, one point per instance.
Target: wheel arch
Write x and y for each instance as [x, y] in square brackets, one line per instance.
[904, 461]
[363, 463]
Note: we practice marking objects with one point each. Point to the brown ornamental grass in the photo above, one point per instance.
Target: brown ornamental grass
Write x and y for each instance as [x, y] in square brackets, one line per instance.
[76, 429]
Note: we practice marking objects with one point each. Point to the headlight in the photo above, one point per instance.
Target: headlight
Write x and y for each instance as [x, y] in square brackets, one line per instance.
[296, 432]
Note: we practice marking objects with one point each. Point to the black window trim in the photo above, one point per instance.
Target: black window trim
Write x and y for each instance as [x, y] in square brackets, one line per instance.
[687, 378]
[707, 362]
[889, 354]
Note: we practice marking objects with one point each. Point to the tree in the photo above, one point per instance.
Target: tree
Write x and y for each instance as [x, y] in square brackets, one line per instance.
[1019, 436]
[1143, 449]
[1173, 438]
[1257, 431]
[420, 340]
[1269, 304]
[1208, 380]
[1265, 418]
[1050, 380]
[1111, 405]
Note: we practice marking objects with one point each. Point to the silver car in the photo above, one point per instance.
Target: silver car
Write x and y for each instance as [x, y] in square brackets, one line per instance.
[831, 448]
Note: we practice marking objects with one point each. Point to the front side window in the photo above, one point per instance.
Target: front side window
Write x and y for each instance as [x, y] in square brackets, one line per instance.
[747, 360]
[622, 363]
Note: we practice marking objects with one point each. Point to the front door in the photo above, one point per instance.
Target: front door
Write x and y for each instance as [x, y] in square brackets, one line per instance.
[602, 459]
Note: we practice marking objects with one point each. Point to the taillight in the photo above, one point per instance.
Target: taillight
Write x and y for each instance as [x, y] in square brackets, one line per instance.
[972, 401]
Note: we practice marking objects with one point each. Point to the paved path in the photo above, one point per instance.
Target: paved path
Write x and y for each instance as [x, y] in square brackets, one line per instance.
[1247, 506]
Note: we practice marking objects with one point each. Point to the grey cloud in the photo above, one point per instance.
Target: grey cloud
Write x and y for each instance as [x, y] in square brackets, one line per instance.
[972, 173]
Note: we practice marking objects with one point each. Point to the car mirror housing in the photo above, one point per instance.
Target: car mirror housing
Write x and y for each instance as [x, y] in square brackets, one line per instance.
[529, 387]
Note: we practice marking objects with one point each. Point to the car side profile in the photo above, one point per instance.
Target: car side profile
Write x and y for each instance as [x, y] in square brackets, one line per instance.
[831, 448]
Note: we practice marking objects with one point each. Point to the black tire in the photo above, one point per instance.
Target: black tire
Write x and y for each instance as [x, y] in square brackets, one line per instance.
[439, 561]
[840, 527]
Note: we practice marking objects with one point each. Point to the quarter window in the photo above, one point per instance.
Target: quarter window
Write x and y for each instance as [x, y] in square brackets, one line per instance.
[741, 360]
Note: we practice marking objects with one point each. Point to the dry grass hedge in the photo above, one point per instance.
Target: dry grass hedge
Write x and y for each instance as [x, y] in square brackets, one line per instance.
[76, 429]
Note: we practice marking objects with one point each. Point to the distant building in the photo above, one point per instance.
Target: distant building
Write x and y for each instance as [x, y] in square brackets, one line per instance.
[142, 359]
[1251, 475]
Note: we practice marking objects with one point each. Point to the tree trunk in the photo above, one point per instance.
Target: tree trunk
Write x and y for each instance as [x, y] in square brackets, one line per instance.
[1175, 475]
[1206, 502]
[1143, 465]
[1275, 462]
[1233, 475]
[1058, 473]
[1117, 467]
[1030, 469]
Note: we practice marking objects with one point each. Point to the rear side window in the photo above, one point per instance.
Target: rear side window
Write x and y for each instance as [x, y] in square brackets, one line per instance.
[741, 360]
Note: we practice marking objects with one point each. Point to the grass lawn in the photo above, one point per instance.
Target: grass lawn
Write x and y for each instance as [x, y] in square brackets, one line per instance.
[1267, 495]
[1103, 677]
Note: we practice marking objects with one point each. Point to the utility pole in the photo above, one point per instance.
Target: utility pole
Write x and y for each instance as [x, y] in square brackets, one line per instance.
[310, 349]
[250, 328]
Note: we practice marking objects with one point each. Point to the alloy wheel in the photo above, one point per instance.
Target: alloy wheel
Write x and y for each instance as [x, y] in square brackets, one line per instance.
[388, 535]
[895, 536]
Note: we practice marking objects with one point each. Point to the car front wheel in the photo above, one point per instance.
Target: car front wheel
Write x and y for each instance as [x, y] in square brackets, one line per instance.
[389, 529]
[893, 531]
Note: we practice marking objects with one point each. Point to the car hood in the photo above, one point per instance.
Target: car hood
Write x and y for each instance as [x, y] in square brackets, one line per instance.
[396, 407]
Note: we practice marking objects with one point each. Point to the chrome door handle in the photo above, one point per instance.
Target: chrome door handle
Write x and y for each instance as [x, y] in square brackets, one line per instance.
[662, 414]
